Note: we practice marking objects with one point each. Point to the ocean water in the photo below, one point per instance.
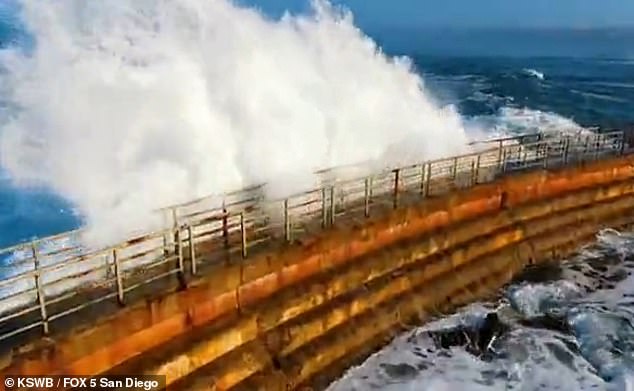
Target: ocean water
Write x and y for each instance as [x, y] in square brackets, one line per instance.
[568, 328]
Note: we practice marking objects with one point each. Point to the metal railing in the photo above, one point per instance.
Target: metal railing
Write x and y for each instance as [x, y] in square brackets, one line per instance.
[53, 278]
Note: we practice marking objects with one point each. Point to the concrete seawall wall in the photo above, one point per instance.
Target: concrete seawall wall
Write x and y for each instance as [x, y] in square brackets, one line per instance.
[298, 315]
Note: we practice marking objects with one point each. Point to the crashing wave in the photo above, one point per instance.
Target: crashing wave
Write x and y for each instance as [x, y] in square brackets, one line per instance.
[117, 97]
[534, 73]
[510, 121]
[535, 299]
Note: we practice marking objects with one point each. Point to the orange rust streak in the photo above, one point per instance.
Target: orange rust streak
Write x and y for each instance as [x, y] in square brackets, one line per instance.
[213, 308]
[259, 288]
[133, 345]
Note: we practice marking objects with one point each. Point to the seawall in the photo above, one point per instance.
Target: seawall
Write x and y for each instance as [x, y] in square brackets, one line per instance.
[297, 316]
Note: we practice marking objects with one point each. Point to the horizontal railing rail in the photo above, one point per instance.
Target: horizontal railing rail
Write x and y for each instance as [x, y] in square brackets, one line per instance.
[51, 279]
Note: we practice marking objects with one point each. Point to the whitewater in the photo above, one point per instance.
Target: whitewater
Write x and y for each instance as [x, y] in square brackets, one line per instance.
[126, 107]
[120, 108]
[568, 327]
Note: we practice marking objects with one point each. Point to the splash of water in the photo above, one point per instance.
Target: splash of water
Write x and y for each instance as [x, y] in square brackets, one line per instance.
[534, 73]
[509, 120]
[128, 106]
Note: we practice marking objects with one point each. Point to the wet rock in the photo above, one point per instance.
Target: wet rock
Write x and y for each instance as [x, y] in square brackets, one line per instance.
[399, 371]
[540, 273]
[422, 366]
[476, 340]
[562, 354]
[617, 276]
[548, 322]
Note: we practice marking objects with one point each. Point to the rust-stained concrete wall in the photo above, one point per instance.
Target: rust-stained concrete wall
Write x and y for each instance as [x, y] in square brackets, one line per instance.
[284, 318]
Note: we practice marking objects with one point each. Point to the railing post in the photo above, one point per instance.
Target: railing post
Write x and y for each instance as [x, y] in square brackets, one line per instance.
[428, 181]
[546, 153]
[473, 174]
[454, 169]
[367, 197]
[565, 151]
[397, 175]
[287, 222]
[40, 290]
[422, 179]
[192, 250]
[342, 200]
[324, 208]
[519, 153]
[110, 267]
[225, 224]
[477, 170]
[166, 251]
[333, 204]
[243, 231]
[178, 239]
[500, 148]
[118, 276]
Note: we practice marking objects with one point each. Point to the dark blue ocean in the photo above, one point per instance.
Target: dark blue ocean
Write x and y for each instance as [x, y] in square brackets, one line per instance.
[568, 329]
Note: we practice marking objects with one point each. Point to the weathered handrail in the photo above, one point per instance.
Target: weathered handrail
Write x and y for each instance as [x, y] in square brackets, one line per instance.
[236, 193]
[42, 285]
